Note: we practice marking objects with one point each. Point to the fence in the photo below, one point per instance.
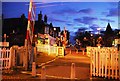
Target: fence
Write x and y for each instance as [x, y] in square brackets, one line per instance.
[15, 56]
[5, 58]
[11, 57]
[89, 50]
[51, 50]
[104, 62]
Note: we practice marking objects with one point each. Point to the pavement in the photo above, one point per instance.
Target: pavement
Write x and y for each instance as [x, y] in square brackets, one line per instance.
[56, 68]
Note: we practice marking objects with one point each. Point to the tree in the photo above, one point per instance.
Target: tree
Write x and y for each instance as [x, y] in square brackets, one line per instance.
[80, 35]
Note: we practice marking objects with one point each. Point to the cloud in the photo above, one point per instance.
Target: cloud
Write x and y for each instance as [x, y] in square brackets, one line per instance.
[45, 6]
[69, 10]
[73, 11]
[94, 27]
[57, 12]
[112, 12]
[115, 4]
[65, 11]
[107, 20]
[85, 20]
[86, 11]
[70, 24]
[81, 29]
[42, 5]
[56, 20]
[75, 27]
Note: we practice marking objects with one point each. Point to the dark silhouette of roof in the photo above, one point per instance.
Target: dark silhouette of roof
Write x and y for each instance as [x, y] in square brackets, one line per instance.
[108, 30]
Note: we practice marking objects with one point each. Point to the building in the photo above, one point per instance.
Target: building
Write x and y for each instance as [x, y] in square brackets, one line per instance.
[16, 28]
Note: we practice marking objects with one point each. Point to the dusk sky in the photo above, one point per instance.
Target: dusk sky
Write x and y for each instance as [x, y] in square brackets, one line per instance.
[72, 15]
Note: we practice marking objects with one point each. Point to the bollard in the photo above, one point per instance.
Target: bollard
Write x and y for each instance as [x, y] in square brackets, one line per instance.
[83, 52]
[33, 69]
[72, 71]
[77, 51]
[43, 73]
[70, 51]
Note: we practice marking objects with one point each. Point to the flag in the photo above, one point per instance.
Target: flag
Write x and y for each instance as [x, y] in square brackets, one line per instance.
[31, 22]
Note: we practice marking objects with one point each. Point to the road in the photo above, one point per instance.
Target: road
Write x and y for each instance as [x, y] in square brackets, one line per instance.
[61, 67]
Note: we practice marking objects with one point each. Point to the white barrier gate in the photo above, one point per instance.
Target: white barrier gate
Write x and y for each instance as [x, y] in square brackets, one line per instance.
[51, 50]
[104, 62]
[5, 58]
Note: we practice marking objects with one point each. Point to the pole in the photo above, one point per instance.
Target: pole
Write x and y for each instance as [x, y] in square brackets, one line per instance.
[83, 51]
[43, 73]
[34, 69]
[26, 55]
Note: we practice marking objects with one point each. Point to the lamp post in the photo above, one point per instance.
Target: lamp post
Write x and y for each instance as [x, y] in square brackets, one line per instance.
[54, 32]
